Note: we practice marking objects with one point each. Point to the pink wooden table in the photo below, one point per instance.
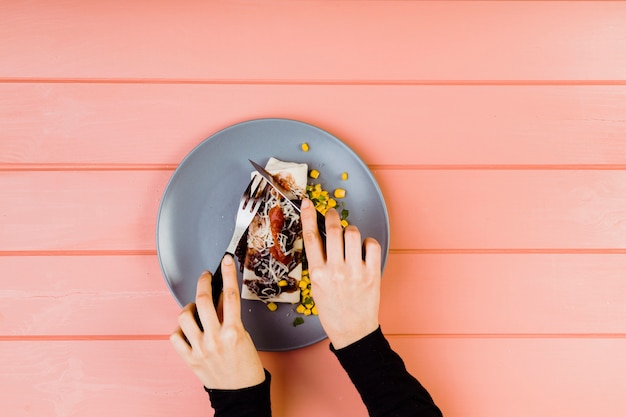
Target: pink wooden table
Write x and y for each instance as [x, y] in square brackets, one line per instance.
[505, 290]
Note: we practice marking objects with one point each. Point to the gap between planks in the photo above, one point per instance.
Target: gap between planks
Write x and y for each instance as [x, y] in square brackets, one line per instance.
[159, 337]
[434, 251]
[381, 82]
[33, 167]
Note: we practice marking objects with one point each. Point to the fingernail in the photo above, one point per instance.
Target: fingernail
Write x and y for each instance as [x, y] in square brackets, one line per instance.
[205, 272]
[306, 203]
[228, 260]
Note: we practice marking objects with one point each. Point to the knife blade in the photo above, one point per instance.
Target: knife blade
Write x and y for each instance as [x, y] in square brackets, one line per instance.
[290, 197]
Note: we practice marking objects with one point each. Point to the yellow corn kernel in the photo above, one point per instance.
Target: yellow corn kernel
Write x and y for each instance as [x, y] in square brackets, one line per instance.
[344, 223]
[314, 310]
[305, 147]
[344, 176]
[339, 193]
[332, 203]
[305, 292]
[307, 312]
[282, 283]
[272, 306]
[300, 309]
[314, 173]
[303, 284]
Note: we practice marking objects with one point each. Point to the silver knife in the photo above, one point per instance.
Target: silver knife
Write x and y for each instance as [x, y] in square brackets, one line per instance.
[289, 196]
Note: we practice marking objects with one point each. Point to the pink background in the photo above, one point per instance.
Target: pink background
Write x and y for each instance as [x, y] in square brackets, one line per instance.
[505, 290]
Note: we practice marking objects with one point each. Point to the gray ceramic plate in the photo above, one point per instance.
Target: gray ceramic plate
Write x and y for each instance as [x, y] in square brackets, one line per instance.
[197, 213]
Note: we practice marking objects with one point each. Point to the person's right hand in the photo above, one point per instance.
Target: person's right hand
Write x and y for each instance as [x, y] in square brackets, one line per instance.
[221, 354]
[346, 288]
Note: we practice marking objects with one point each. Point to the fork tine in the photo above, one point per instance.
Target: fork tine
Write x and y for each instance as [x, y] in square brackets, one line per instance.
[257, 197]
[246, 194]
[260, 197]
[254, 192]
[260, 186]
[245, 197]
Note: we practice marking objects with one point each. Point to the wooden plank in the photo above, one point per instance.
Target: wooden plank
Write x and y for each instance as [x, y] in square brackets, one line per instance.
[541, 376]
[519, 377]
[505, 209]
[84, 295]
[447, 210]
[104, 378]
[80, 210]
[504, 294]
[416, 125]
[310, 40]
[95, 378]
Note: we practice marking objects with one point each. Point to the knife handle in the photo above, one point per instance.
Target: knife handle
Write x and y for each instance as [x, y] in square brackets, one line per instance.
[321, 225]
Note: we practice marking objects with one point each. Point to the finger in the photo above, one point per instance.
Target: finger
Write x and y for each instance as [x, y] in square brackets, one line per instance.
[188, 325]
[312, 242]
[353, 245]
[334, 237]
[373, 255]
[180, 343]
[232, 302]
[204, 302]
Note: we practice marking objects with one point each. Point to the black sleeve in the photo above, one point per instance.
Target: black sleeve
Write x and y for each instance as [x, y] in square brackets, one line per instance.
[247, 402]
[379, 375]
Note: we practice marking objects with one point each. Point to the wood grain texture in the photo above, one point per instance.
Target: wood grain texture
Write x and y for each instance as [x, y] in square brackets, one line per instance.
[84, 296]
[504, 294]
[148, 378]
[506, 209]
[519, 377]
[78, 297]
[496, 131]
[541, 376]
[93, 210]
[81, 124]
[71, 212]
[314, 41]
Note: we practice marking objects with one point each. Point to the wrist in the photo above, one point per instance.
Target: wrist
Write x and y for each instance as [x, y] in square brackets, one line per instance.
[252, 401]
[367, 340]
[266, 379]
[340, 340]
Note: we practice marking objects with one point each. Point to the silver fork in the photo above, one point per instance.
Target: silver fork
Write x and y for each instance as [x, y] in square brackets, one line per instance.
[249, 204]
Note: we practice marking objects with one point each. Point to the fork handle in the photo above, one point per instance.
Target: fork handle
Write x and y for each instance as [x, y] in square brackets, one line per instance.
[217, 283]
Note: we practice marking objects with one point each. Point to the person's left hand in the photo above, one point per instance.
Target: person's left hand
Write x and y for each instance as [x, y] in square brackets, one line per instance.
[222, 355]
